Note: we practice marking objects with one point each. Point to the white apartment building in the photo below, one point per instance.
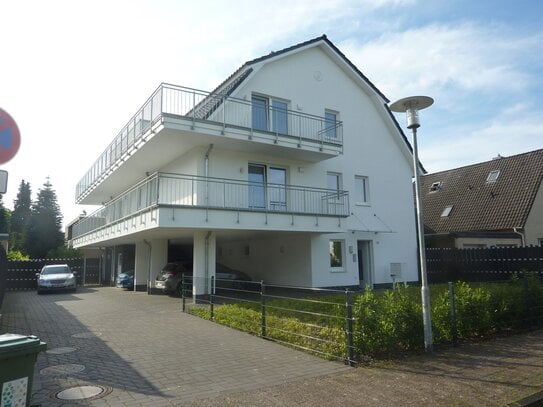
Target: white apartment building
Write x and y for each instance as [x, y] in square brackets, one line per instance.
[293, 171]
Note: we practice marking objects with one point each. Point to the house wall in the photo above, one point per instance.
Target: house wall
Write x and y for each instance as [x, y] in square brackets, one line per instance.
[312, 83]
[534, 223]
[274, 259]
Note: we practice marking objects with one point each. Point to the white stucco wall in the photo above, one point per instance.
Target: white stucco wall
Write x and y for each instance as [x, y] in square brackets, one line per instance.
[534, 223]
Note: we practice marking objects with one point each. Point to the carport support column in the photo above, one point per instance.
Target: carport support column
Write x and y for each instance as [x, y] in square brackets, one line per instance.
[158, 248]
[203, 264]
[141, 266]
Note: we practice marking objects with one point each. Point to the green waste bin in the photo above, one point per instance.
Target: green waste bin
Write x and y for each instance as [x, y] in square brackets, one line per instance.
[18, 354]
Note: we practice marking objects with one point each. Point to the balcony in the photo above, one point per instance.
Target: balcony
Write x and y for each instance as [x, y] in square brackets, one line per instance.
[188, 192]
[188, 118]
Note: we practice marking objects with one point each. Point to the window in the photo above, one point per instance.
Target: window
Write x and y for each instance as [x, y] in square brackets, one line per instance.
[446, 212]
[260, 113]
[493, 176]
[270, 114]
[330, 122]
[336, 254]
[361, 190]
[267, 187]
[333, 183]
[436, 186]
[279, 117]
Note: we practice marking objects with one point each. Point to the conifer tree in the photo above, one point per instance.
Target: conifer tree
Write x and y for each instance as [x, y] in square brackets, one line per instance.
[43, 229]
[4, 217]
[22, 207]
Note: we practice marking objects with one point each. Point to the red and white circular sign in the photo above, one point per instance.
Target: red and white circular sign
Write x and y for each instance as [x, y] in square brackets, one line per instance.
[10, 138]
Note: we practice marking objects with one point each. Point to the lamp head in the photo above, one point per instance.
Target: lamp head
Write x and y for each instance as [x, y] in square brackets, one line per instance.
[411, 105]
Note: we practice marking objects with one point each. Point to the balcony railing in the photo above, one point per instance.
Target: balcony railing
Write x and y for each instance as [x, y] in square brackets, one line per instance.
[196, 105]
[187, 191]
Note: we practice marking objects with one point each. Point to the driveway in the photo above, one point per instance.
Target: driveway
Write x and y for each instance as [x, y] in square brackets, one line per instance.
[137, 349]
[144, 351]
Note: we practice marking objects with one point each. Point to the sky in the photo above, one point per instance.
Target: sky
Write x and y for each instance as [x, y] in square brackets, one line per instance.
[73, 73]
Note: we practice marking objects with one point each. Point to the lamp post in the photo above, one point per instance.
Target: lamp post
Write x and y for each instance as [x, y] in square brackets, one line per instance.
[411, 106]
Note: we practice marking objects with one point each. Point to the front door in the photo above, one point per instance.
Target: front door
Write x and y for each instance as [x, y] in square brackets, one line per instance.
[364, 262]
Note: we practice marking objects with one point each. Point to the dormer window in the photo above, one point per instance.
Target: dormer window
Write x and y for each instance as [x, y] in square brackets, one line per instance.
[493, 176]
[436, 186]
[446, 212]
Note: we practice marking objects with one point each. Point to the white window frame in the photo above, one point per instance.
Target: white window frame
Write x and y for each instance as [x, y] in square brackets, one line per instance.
[364, 193]
[341, 267]
[271, 111]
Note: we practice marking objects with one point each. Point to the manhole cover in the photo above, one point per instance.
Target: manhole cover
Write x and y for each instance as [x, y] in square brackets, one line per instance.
[62, 369]
[61, 351]
[83, 393]
[86, 335]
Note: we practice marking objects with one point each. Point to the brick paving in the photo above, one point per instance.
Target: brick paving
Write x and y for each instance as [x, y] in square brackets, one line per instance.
[146, 350]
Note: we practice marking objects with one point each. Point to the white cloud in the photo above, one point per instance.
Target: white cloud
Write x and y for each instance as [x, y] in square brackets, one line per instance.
[446, 60]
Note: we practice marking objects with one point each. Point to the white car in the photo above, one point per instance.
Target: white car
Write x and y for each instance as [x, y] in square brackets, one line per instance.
[56, 277]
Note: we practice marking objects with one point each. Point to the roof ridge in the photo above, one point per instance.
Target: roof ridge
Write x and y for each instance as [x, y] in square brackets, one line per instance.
[502, 158]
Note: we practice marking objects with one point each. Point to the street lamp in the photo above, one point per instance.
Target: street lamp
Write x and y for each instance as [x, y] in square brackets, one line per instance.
[411, 105]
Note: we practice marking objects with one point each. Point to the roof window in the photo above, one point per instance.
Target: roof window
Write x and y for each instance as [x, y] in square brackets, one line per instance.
[436, 186]
[446, 212]
[493, 176]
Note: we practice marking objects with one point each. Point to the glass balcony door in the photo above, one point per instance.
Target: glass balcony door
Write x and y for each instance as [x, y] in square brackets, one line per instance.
[267, 186]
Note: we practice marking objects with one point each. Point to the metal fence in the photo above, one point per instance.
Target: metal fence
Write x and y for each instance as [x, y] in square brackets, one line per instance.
[316, 320]
[20, 275]
[196, 105]
[189, 191]
[488, 264]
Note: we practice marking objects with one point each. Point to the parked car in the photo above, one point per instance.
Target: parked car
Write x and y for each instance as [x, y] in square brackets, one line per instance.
[56, 277]
[169, 278]
[126, 280]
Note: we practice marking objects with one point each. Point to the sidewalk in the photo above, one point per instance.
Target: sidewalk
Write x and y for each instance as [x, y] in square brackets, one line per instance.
[497, 372]
[143, 351]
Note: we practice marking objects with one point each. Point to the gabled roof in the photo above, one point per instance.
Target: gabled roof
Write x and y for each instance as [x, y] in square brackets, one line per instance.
[236, 78]
[479, 204]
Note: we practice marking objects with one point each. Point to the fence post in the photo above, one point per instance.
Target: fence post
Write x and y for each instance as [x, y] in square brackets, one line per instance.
[454, 331]
[84, 269]
[211, 310]
[183, 291]
[349, 309]
[263, 308]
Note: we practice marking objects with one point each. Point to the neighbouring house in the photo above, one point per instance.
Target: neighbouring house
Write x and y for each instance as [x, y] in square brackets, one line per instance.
[495, 203]
[293, 170]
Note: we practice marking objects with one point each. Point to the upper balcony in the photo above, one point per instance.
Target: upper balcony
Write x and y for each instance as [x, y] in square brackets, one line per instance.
[176, 119]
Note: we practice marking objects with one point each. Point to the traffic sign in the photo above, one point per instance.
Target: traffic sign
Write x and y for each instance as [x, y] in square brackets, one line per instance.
[10, 138]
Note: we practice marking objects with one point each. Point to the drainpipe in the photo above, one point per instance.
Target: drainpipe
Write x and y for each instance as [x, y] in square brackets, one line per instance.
[516, 230]
[206, 173]
[206, 256]
[149, 268]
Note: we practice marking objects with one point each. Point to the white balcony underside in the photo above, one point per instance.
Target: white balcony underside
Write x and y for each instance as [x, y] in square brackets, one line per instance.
[176, 135]
[179, 223]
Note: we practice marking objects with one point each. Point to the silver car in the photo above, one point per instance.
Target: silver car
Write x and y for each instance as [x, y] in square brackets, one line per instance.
[56, 277]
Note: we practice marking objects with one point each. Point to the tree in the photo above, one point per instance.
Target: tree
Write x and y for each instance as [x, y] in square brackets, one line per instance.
[4, 218]
[43, 229]
[22, 209]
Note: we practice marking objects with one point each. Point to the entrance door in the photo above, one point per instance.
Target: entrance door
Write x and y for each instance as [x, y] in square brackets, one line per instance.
[257, 190]
[364, 262]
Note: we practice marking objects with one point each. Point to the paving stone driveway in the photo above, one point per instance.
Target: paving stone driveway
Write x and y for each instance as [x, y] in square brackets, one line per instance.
[145, 349]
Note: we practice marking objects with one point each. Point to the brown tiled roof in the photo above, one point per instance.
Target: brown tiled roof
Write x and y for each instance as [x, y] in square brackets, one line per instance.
[479, 205]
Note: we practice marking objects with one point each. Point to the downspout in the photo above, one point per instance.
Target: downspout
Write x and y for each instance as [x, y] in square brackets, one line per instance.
[206, 268]
[206, 174]
[149, 268]
[516, 230]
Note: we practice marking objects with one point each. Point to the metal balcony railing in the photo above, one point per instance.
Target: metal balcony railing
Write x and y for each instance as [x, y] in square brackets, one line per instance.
[196, 105]
[187, 191]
